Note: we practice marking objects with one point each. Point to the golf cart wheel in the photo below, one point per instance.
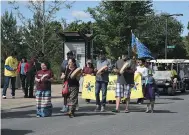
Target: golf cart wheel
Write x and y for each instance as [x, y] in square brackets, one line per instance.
[170, 91]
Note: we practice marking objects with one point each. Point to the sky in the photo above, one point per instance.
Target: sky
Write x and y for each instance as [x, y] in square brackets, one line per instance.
[78, 8]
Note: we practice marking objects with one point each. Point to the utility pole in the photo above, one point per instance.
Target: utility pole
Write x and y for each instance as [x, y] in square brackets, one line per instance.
[166, 38]
[43, 44]
[166, 31]
[92, 47]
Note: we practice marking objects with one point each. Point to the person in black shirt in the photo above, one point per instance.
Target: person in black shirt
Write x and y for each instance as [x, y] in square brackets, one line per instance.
[64, 64]
[124, 82]
[73, 84]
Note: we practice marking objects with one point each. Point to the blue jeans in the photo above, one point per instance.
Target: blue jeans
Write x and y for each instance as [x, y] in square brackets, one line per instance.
[6, 85]
[101, 85]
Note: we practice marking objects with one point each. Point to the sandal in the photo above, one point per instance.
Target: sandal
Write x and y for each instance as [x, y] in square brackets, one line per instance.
[115, 111]
[71, 114]
[126, 111]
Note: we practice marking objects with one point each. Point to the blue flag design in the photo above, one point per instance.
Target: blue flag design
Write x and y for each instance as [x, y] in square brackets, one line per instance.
[140, 48]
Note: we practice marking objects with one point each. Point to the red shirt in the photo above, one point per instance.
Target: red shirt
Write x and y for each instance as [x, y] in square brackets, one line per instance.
[44, 84]
[88, 70]
[25, 68]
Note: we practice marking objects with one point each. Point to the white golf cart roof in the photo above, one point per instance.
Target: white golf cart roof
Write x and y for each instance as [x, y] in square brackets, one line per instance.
[170, 61]
[186, 61]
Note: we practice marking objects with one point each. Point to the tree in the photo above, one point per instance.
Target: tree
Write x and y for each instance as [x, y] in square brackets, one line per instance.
[11, 36]
[36, 26]
[152, 34]
[186, 42]
[39, 31]
[114, 20]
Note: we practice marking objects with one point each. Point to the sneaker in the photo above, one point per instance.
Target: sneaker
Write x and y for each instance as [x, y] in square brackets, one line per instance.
[147, 110]
[13, 97]
[77, 107]
[97, 108]
[64, 109]
[38, 116]
[4, 97]
[102, 109]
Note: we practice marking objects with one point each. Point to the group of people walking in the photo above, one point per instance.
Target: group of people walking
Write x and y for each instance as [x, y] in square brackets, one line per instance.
[125, 82]
[43, 75]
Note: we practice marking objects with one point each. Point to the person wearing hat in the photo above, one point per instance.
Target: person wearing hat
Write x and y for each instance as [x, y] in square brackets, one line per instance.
[102, 79]
[125, 81]
[64, 64]
[88, 70]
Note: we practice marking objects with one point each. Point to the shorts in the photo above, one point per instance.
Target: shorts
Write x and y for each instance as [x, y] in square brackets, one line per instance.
[123, 90]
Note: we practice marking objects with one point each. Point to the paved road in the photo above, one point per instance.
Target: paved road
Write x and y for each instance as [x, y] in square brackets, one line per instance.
[171, 117]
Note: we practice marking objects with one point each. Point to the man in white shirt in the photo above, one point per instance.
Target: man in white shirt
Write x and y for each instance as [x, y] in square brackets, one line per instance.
[143, 70]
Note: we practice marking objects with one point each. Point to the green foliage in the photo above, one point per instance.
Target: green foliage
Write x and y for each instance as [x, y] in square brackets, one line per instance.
[43, 22]
[186, 42]
[152, 34]
[11, 36]
[112, 27]
[114, 20]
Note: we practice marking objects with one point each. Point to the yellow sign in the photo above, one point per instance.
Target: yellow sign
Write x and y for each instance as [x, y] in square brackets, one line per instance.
[136, 91]
[88, 91]
[111, 87]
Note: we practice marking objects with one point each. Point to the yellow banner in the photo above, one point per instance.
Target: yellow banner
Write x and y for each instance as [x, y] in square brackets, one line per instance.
[88, 91]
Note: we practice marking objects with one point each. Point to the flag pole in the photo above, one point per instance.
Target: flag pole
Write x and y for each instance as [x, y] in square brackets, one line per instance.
[129, 45]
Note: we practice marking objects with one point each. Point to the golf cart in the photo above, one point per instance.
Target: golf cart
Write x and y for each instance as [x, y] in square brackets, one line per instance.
[184, 73]
[164, 78]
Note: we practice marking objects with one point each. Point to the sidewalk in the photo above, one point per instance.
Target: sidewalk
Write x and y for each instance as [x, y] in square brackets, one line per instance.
[20, 101]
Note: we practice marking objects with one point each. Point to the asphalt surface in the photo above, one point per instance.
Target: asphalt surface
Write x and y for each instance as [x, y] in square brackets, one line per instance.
[171, 117]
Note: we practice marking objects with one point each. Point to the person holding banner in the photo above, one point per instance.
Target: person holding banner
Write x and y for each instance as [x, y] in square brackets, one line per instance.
[125, 80]
[88, 70]
[143, 71]
[102, 79]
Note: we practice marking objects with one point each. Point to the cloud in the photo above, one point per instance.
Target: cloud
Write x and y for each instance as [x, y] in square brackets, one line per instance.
[80, 14]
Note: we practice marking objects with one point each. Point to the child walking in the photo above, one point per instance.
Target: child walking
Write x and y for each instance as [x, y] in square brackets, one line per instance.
[150, 90]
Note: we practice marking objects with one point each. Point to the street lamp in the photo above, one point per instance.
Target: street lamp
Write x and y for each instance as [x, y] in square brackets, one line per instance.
[166, 31]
